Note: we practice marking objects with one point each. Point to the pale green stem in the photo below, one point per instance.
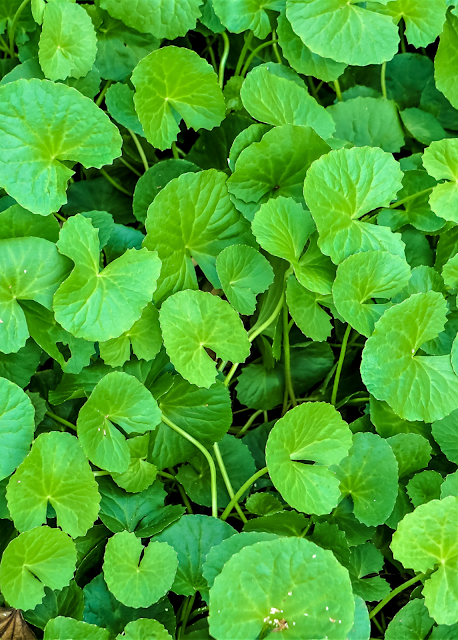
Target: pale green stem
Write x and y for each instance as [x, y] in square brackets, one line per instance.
[343, 349]
[222, 64]
[129, 166]
[241, 491]
[175, 153]
[185, 615]
[383, 79]
[275, 48]
[245, 48]
[114, 183]
[287, 352]
[227, 480]
[101, 95]
[230, 375]
[395, 592]
[268, 322]
[12, 29]
[61, 218]
[98, 474]
[338, 90]
[411, 197]
[254, 53]
[139, 148]
[248, 423]
[57, 418]
[222, 365]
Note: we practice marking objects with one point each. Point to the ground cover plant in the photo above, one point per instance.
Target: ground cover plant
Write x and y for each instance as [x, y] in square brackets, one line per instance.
[228, 319]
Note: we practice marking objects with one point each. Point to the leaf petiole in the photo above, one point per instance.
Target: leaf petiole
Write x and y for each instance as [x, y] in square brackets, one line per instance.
[411, 197]
[241, 491]
[57, 418]
[222, 63]
[340, 364]
[14, 22]
[254, 53]
[245, 48]
[227, 481]
[392, 594]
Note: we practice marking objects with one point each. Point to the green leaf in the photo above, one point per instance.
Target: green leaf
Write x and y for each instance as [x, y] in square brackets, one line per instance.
[412, 621]
[446, 60]
[445, 432]
[62, 628]
[100, 305]
[263, 504]
[422, 125]
[120, 104]
[244, 273]
[162, 19]
[68, 43]
[343, 31]
[450, 272]
[192, 537]
[301, 58]
[16, 222]
[362, 277]
[424, 486]
[204, 223]
[310, 432]
[361, 629]
[134, 582]
[55, 471]
[143, 629]
[372, 122]
[120, 399]
[412, 451]
[74, 129]
[440, 160]
[340, 188]
[140, 474]
[17, 426]
[260, 388]
[416, 387]
[415, 544]
[450, 485]
[304, 307]
[193, 321]
[247, 15]
[173, 83]
[19, 367]
[36, 559]
[313, 601]
[423, 19]
[68, 602]
[370, 476]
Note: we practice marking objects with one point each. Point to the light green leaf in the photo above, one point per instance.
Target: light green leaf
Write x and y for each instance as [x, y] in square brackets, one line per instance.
[75, 129]
[423, 125]
[411, 622]
[389, 424]
[362, 277]
[134, 582]
[120, 104]
[31, 269]
[424, 486]
[16, 222]
[416, 387]
[57, 472]
[301, 58]
[193, 321]
[370, 476]
[440, 160]
[446, 60]
[36, 559]
[372, 122]
[302, 595]
[173, 83]
[144, 336]
[423, 19]
[100, 305]
[343, 31]
[19, 367]
[450, 272]
[192, 537]
[361, 629]
[259, 387]
[244, 273]
[61, 628]
[144, 629]
[275, 100]
[140, 473]
[263, 504]
[17, 426]
[304, 307]
[192, 217]
[450, 485]
[68, 602]
[247, 15]
[412, 451]
[340, 188]
[162, 18]
[445, 433]
[68, 43]
[120, 399]
[426, 539]
[313, 431]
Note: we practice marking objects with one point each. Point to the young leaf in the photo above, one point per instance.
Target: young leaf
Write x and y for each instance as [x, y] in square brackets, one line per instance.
[193, 321]
[100, 305]
[68, 602]
[412, 451]
[424, 486]
[74, 129]
[446, 59]
[440, 160]
[423, 19]
[304, 307]
[121, 399]
[120, 104]
[35, 559]
[174, 83]
[140, 474]
[312, 432]
[416, 387]
[61, 628]
[55, 471]
[412, 618]
[16, 222]
[444, 432]
[142, 629]
[16, 426]
[134, 582]
[247, 15]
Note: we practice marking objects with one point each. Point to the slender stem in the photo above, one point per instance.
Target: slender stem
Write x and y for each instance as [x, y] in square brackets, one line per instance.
[248, 423]
[395, 592]
[185, 615]
[101, 95]
[227, 480]
[268, 322]
[222, 63]
[287, 352]
[210, 461]
[129, 166]
[170, 476]
[383, 79]
[185, 499]
[403, 37]
[266, 416]
[139, 149]
[338, 90]
[222, 365]
[353, 401]
[57, 418]
[98, 474]
[114, 183]
[13, 26]
[61, 218]
[411, 197]
[313, 88]
[175, 151]
[254, 53]
[245, 48]
[241, 491]
[230, 375]
[343, 349]
[275, 48]
[212, 54]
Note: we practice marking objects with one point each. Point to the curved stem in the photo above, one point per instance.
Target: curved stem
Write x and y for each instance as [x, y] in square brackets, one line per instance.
[395, 592]
[383, 79]
[268, 322]
[241, 491]
[210, 461]
[61, 218]
[175, 153]
[230, 375]
[12, 29]
[275, 48]
[114, 183]
[227, 480]
[411, 197]
[139, 148]
[129, 166]
[222, 63]
[287, 352]
[101, 95]
[98, 474]
[57, 418]
[343, 349]
[185, 615]
[248, 423]
[338, 90]
[254, 53]
[245, 48]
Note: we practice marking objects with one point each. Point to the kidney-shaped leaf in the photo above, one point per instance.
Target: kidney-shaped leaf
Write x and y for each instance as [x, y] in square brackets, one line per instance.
[440, 160]
[193, 321]
[100, 305]
[423, 19]
[17, 426]
[55, 471]
[312, 432]
[120, 399]
[144, 629]
[36, 559]
[173, 83]
[62, 628]
[44, 124]
[134, 582]
[416, 387]
[244, 15]
[446, 59]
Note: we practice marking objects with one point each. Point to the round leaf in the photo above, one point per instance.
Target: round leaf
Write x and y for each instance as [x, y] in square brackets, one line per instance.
[61, 628]
[445, 433]
[305, 309]
[446, 60]
[17, 426]
[244, 15]
[424, 19]
[144, 629]
[313, 431]
[440, 160]
[120, 104]
[134, 582]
